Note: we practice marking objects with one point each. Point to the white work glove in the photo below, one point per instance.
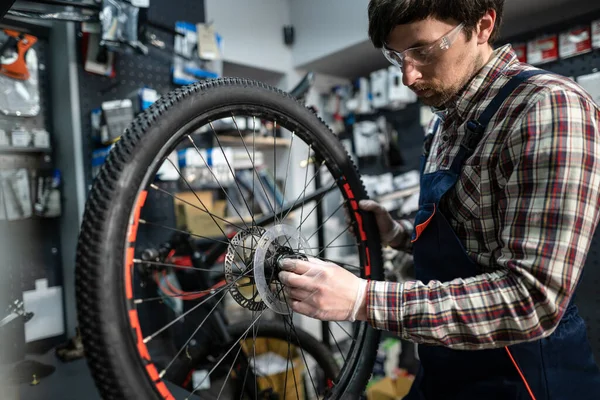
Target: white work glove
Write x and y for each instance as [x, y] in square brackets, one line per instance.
[323, 290]
[389, 229]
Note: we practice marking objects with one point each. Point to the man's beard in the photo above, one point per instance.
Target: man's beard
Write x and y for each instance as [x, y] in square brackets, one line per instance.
[442, 95]
[438, 98]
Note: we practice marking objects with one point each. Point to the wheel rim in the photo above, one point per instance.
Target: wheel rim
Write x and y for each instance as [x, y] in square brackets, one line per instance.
[160, 269]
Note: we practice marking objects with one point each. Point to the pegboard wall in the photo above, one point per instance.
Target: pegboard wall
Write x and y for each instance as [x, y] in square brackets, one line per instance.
[30, 248]
[134, 71]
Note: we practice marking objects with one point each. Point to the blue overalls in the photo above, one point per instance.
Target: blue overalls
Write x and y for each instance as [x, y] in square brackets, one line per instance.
[560, 366]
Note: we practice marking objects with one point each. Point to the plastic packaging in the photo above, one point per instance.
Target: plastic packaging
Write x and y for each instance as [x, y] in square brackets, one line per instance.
[119, 21]
[20, 97]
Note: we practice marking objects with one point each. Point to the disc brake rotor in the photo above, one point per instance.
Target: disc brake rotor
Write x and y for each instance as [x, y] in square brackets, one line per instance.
[238, 268]
[276, 242]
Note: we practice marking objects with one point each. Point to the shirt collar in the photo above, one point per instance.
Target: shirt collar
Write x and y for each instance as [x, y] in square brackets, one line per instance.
[502, 58]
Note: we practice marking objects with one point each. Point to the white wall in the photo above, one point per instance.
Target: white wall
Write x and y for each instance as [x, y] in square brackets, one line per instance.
[326, 26]
[252, 31]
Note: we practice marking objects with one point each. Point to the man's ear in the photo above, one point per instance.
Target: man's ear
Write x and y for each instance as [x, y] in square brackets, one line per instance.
[485, 27]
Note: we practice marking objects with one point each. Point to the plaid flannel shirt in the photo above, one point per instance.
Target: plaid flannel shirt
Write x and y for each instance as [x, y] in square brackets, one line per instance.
[525, 208]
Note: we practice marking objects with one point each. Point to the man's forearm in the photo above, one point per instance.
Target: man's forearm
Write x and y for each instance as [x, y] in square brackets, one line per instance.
[488, 311]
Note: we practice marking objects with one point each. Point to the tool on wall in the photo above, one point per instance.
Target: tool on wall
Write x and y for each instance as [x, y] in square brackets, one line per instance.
[15, 310]
[12, 54]
[19, 92]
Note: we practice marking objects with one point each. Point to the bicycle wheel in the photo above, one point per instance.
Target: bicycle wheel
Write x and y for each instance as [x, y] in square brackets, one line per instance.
[272, 336]
[119, 216]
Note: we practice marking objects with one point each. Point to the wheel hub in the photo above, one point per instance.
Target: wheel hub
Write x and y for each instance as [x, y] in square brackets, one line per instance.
[252, 265]
[277, 242]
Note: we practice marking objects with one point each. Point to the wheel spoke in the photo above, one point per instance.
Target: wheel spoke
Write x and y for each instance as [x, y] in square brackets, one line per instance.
[327, 219]
[317, 205]
[227, 353]
[231, 368]
[167, 326]
[255, 171]
[253, 155]
[162, 264]
[143, 221]
[233, 173]
[340, 263]
[334, 239]
[196, 195]
[287, 169]
[293, 327]
[153, 186]
[219, 183]
[345, 331]
[303, 193]
[332, 247]
[164, 371]
[140, 301]
[337, 344]
[275, 165]
[305, 178]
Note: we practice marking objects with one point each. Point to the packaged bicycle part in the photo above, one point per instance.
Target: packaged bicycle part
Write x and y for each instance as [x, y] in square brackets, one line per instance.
[143, 98]
[16, 43]
[380, 88]
[120, 25]
[117, 115]
[47, 194]
[187, 66]
[17, 196]
[21, 137]
[98, 59]
[4, 138]
[19, 90]
[208, 48]
[41, 138]
[367, 140]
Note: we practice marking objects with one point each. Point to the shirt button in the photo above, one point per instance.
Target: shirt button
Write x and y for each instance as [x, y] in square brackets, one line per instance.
[445, 138]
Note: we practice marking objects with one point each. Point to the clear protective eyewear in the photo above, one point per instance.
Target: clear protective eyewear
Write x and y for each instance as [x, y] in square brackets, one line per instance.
[422, 55]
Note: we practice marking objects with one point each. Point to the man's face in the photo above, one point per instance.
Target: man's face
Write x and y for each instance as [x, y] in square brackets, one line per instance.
[447, 71]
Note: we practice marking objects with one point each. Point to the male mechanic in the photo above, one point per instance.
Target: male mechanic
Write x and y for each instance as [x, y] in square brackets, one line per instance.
[508, 206]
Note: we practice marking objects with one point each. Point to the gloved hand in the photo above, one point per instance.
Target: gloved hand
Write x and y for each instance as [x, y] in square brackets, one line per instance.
[323, 290]
[389, 229]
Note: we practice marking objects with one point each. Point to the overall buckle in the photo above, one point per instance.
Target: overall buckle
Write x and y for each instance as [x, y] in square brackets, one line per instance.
[474, 132]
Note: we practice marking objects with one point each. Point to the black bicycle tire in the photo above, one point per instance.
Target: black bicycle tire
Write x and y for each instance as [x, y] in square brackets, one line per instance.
[115, 358]
[266, 329]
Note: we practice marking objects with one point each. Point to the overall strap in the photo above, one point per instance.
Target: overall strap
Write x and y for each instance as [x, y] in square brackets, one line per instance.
[428, 141]
[476, 128]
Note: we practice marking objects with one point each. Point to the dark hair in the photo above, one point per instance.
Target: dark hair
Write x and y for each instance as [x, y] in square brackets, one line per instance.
[385, 15]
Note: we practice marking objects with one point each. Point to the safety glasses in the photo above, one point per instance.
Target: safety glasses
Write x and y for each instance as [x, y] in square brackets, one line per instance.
[422, 55]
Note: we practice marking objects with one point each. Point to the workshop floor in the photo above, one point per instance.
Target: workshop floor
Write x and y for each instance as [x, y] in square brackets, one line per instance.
[70, 381]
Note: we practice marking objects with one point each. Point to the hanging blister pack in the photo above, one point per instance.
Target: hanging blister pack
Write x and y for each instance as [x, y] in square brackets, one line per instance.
[16, 193]
[367, 139]
[119, 21]
[19, 83]
[47, 194]
[188, 67]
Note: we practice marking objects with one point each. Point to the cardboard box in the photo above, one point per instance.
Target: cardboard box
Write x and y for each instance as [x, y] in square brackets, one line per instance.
[390, 389]
[271, 360]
